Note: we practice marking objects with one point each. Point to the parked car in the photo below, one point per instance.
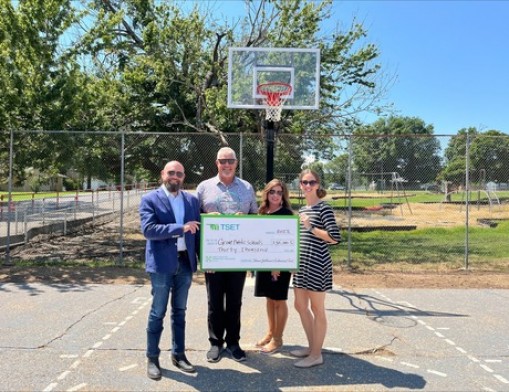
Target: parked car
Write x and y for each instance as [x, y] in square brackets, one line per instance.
[336, 187]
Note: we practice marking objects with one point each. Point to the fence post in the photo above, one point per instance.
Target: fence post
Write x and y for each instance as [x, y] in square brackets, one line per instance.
[42, 210]
[122, 185]
[349, 185]
[467, 190]
[16, 221]
[93, 209]
[7, 260]
[25, 227]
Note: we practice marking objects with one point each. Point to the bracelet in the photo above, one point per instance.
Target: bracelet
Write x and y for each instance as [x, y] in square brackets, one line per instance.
[311, 229]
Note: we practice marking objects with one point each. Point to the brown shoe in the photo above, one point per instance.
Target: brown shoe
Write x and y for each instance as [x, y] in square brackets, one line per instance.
[273, 346]
[264, 341]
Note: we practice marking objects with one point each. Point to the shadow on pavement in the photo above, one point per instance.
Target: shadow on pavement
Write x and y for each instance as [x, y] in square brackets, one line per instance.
[275, 373]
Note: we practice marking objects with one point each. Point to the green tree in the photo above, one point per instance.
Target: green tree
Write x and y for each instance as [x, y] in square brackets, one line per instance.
[454, 169]
[172, 65]
[40, 83]
[156, 66]
[489, 156]
[337, 169]
[402, 145]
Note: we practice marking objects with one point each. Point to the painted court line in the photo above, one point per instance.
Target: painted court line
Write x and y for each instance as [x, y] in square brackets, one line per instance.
[50, 387]
[63, 375]
[410, 365]
[437, 373]
[77, 387]
[448, 341]
[124, 368]
[501, 379]
[96, 345]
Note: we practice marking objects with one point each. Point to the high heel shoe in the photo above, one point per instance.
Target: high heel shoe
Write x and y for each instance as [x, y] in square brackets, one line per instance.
[273, 346]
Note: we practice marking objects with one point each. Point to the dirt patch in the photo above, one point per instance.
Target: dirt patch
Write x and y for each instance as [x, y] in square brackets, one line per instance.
[421, 215]
[458, 279]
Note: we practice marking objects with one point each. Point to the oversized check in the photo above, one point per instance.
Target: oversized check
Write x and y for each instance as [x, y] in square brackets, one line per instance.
[249, 242]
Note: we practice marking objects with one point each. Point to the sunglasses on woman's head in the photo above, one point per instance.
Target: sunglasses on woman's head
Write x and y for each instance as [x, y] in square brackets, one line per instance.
[312, 182]
[230, 161]
[274, 192]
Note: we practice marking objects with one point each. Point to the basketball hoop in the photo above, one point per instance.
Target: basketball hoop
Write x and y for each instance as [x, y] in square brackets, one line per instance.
[275, 95]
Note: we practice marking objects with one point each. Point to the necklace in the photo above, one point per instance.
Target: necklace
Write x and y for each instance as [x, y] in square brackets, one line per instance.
[272, 211]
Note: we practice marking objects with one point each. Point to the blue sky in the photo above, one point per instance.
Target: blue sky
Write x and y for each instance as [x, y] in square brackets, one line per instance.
[451, 58]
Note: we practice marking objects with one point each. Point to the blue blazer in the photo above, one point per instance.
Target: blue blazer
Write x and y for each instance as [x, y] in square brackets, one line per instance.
[159, 227]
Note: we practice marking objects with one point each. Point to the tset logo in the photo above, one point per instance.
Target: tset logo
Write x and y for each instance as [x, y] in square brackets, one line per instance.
[223, 226]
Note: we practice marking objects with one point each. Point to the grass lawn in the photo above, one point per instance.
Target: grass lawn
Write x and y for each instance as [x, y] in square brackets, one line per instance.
[431, 249]
[23, 196]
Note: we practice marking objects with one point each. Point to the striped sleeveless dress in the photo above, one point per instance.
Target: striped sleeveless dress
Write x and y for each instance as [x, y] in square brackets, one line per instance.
[315, 266]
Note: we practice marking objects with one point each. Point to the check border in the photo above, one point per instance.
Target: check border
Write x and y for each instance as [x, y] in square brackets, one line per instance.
[254, 242]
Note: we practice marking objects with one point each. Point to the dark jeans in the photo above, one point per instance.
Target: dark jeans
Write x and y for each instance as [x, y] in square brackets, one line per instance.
[163, 285]
[224, 291]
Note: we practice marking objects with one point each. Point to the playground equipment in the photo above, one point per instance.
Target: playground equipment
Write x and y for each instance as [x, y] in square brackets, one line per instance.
[397, 185]
[397, 190]
[491, 197]
[474, 190]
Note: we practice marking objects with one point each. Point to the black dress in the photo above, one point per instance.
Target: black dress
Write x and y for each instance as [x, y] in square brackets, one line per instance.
[264, 285]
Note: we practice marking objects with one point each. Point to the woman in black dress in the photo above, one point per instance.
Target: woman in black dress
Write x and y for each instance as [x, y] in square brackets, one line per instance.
[274, 284]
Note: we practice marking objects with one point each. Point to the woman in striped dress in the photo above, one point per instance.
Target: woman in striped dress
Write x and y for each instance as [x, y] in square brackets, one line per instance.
[318, 230]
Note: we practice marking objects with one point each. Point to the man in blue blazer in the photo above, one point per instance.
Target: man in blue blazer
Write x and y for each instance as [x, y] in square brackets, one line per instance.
[170, 219]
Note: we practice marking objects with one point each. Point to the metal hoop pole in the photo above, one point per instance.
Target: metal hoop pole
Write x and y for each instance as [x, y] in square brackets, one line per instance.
[270, 136]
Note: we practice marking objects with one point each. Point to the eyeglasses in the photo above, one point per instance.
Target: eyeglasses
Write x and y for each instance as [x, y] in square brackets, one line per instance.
[312, 182]
[274, 192]
[172, 173]
[230, 161]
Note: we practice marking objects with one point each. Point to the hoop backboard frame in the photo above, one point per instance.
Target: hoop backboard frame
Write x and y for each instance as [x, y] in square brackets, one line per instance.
[250, 67]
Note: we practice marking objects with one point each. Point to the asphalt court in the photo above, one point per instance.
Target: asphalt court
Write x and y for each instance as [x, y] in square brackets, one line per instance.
[92, 338]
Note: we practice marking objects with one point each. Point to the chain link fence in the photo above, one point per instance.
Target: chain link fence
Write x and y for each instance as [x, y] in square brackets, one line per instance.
[402, 199]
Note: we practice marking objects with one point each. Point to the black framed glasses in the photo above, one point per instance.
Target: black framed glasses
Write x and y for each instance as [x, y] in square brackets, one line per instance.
[173, 173]
[312, 182]
[274, 192]
[229, 161]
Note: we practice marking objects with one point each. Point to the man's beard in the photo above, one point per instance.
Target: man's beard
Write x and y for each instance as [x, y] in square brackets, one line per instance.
[173, 186]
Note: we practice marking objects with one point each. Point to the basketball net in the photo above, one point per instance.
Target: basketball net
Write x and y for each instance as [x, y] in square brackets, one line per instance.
[274, 97]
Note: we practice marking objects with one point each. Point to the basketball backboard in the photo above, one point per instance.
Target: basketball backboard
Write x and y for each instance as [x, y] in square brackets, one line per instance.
[250, 67]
